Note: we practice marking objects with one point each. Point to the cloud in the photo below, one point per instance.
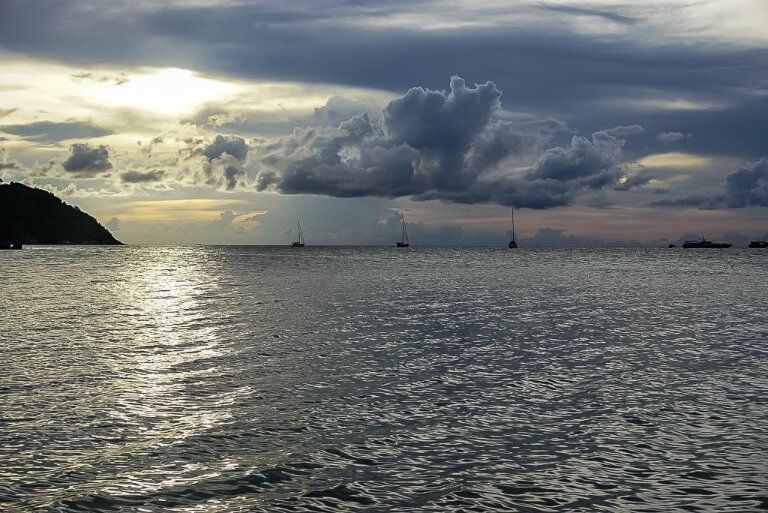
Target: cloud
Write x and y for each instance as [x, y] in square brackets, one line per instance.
[745, 187]
[339, 108]
[142, 177]
[583, 158]
[229, 144]
[627, 183]
[748, 186]
[450, 145]
[625, 131]
[437, 145]
[85, 160]
[7, 112]
[113, 224]
[9, 165]
[239, 222]
[670, 137]
[49, 131]
[585, 11]
[225, 172]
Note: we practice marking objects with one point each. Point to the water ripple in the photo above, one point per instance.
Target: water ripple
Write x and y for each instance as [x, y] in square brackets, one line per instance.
[213, 379]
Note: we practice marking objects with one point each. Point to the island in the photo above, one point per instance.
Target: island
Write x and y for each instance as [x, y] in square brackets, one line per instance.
[29, 215]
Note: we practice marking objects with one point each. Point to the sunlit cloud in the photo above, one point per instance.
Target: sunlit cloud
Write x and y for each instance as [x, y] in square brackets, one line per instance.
[167, 91]
[675, 160]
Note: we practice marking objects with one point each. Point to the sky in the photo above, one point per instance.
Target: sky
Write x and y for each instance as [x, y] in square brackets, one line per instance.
[225, 121]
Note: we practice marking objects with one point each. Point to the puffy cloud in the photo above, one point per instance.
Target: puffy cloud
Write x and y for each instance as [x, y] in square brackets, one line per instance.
[229, 144]
[670, 137]
[338, 109]
[85, 160]
[748, 186]
[745, 187]
[452, 146]
[225, 172]
[113, 224]
[142, 177]
[625, 131]
[581, 159]
[5, 163]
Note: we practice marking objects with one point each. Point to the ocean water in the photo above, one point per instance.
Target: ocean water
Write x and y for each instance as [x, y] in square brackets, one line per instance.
[240, 379]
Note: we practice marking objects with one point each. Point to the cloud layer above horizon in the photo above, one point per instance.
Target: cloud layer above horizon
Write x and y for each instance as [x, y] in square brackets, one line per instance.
[606, 107]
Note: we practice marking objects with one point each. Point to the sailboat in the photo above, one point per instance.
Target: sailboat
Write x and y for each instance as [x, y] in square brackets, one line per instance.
[403, 242]
[300, 242]
[513, 243]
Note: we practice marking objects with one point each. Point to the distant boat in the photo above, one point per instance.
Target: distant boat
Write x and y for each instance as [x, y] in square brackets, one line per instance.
[10, 245]
[300, 242]
[672, 246]
[705, 244]
[513, 243]
[403, 242]
[759, 244]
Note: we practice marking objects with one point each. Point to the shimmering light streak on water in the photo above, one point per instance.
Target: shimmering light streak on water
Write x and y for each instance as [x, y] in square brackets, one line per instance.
[428, 379]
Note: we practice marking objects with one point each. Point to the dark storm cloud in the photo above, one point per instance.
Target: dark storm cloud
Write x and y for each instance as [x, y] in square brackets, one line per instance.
[338, 109]
[225, 172]
[49, 131]
[584, 157]
[748, 186]
[745, 187]
[229, 144]
[84, 160]
[546, 68]
[142, 177]
[441, 145]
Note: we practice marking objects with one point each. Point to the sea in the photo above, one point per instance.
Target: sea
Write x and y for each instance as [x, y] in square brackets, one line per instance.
[427, 379]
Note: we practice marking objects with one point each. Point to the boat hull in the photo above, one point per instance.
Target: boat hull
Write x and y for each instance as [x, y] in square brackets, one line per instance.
[297, 245]
[706, 245]
[402, 244]
[512, 245]
[758, 244]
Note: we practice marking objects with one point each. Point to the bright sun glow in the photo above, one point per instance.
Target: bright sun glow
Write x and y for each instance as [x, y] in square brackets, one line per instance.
[166, 91]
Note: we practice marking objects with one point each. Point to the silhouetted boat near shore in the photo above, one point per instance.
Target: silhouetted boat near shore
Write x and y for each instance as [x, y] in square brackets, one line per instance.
[299, 243]
[403, 242]
[513, 243]
[10, 245]
[705, 244]
[759, 244]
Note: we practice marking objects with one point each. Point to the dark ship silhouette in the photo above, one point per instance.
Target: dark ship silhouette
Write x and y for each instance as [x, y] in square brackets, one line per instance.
[705, 244]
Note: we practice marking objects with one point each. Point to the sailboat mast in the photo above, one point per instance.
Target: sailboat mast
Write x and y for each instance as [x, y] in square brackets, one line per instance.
[513, 224]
